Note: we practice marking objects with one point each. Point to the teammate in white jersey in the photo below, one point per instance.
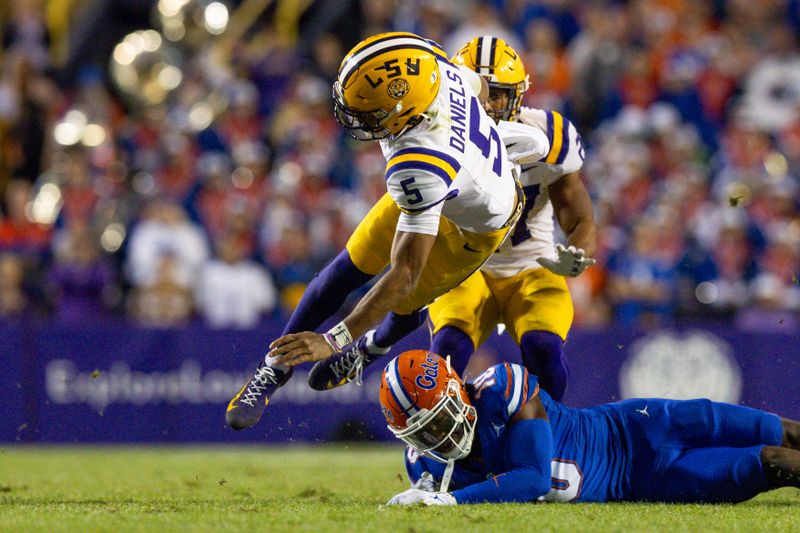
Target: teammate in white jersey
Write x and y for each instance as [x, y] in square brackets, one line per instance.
[452, 198]
[523, 285]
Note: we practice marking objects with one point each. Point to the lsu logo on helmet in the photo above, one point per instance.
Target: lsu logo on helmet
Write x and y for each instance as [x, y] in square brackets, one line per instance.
[385, 84]
[502, 67]
[398, 88]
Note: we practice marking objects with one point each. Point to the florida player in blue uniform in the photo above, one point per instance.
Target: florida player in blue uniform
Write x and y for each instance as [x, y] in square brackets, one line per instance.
[500, 438]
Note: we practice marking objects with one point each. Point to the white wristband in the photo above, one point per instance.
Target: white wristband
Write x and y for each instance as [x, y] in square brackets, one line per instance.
[338, 336]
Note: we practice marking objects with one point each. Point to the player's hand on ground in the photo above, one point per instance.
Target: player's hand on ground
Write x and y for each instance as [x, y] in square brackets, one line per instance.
[571, 261]
[414, 496]
[439, 498]
[296, 348]
[408, 497]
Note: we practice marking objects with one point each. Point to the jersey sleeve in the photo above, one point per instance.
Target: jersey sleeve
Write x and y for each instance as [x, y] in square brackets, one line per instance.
[566, 152]
[504, 390]
[525, 144]
[418, 180]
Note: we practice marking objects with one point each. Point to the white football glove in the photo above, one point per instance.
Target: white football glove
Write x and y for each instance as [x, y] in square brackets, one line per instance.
[571, 261]
[439, 498]
[414, 496]
[423, 491]
[409, 497]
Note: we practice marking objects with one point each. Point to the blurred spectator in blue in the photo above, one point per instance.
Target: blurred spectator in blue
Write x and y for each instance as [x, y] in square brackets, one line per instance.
[432, 18]
[597, 56]
[233, 291]
[641, 281]
[290, 257]
[481, 19]
[560, 14]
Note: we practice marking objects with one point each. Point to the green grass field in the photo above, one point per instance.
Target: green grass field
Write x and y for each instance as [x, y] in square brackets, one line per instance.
[302, 489]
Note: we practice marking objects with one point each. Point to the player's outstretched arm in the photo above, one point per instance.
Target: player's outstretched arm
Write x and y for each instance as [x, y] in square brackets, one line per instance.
[573, 209]
[530, 445]
[409, 254]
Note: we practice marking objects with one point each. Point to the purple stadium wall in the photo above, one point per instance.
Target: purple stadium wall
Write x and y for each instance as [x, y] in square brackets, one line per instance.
[118, 383]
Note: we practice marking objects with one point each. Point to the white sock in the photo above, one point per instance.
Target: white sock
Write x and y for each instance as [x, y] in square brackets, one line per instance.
[373, 348]
[269, 360]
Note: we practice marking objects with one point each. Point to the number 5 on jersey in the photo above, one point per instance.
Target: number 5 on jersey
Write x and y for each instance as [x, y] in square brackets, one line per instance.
[413, 196]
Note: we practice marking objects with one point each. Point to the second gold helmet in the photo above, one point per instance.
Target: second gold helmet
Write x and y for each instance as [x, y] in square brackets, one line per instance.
[502, 67]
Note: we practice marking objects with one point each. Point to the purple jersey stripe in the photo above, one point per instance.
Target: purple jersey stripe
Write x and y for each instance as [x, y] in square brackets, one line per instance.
[562, 154]
[419, 165]
[451, 194]
[431, 152]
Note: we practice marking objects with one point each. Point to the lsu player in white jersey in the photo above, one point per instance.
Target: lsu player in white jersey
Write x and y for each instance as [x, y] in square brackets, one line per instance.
[523, 285]
[452, 199]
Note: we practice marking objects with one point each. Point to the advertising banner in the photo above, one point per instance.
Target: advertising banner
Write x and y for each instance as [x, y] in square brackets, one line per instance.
[120, 383]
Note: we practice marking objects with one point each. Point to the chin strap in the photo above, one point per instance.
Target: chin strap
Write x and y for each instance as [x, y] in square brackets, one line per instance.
[448, 473]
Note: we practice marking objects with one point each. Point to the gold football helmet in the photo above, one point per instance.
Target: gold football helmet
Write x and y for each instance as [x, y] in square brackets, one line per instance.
[385, 84]
[502, 67]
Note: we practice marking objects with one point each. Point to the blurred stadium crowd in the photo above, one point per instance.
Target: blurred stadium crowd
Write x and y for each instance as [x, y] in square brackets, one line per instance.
[216, 190]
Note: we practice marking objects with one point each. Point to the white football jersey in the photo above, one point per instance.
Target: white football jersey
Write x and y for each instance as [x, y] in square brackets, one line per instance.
[454, 163]
[533, 235]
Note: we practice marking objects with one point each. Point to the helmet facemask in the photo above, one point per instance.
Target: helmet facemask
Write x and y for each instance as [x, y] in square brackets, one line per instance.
[513, 93]
[444, 432]
[361, 125]
[369, 125]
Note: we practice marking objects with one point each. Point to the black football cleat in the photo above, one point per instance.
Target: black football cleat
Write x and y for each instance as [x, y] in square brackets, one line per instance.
[342, 367]
[246, 408]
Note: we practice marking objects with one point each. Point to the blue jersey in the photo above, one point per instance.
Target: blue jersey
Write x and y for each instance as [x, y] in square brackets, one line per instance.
[631, 450]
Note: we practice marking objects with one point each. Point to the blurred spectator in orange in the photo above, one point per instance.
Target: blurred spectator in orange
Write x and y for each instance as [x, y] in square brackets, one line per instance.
[13, 301]
[547, 65]
[17, 231]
